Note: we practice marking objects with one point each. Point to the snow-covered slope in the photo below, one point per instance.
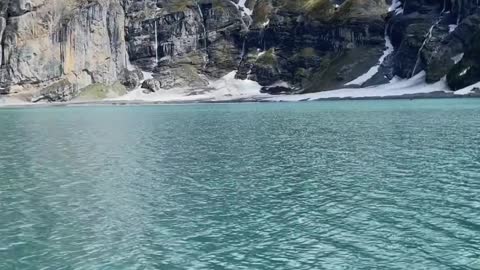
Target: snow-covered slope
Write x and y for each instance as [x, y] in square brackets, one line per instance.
[373, 70]
[397, 87]
[467, 90]
[229, 88]
[224, 89]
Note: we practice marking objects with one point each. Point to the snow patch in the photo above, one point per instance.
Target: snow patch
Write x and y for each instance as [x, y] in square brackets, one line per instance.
[147, 75]
[464, 71]
[261, 53]
[457, 58]
[229, 88]
[224, 89]
[396, 87]
[265, 24]
[374, 70]
[396, 6]
[244, 9]
[452, 27]
[467, 90]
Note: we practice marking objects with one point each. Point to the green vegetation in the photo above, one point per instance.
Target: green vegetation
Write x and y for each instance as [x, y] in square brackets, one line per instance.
[302, 73]
[318, 9]
[360, 8]
[98, 91]
[306, 58]
[180, 5]
[268, 58]
[322, 10]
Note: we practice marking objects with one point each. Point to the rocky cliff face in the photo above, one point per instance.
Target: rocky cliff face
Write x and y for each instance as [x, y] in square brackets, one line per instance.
[317, 47]
[55, 50]
[182, 42]
[434, 36]
[51, 49]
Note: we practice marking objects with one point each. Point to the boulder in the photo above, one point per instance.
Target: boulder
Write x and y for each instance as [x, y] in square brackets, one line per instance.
[131, 79]
[60, 91]
[151, 85]
[467, 71]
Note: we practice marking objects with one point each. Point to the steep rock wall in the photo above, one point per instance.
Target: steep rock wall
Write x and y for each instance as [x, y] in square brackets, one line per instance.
[430, 35]
[182, 42]
[48, 41]
[314, 48]
[54, 49]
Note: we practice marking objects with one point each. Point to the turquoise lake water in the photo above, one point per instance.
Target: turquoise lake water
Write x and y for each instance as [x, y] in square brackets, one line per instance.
[322, 185]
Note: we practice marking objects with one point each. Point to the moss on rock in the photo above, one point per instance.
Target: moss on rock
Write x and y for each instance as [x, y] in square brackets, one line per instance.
[267, 59]
[99, 91]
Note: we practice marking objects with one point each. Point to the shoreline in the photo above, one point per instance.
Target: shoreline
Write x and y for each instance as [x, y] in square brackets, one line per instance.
[418, 96]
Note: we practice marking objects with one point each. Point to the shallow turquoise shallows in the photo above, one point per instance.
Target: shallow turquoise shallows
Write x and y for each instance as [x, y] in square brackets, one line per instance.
[321, 185]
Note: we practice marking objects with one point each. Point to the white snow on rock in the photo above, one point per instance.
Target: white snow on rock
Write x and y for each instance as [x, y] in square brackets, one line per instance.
[147, 75]
[467, 90]
[241, 6]
[464, 71]
[457, 58]
[452, 27]
[225, 89]
[228, 88]
[265, 24]
[373, 70]
[396, 87]
[396, 6]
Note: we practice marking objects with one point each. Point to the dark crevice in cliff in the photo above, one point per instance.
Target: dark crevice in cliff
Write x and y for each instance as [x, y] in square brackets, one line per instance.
[3, 26]
[204, 10]
[6, 31]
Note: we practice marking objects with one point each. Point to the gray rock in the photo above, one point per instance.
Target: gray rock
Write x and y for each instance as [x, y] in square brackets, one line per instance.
[423, 40]
[313, 47]
[467, 71]
[166, 78]
[47, 41]
[60, 91]
[131, 79]
[151, 85]
[204, 37]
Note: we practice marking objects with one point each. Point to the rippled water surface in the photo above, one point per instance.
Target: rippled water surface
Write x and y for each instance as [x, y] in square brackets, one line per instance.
[322, 185]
